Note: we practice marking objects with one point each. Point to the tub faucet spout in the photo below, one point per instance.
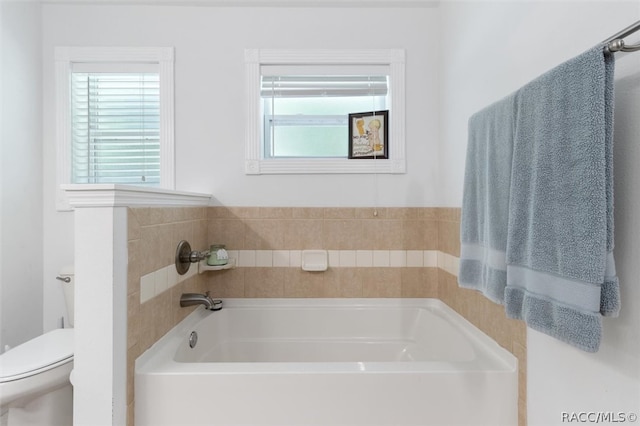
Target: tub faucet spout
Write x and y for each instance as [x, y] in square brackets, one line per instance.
[191, 299]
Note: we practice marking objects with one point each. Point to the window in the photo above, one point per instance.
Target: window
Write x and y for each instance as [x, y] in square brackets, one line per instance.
[299, 101]
[306, 115]
[114, 117]
[115, 128]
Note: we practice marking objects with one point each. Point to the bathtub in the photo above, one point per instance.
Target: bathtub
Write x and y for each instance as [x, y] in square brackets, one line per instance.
[326, 362]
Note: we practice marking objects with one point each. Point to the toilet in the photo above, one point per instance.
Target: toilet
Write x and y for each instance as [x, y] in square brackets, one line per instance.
[34, 377]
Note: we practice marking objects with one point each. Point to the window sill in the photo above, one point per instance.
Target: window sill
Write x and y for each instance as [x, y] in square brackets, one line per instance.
[324, 166]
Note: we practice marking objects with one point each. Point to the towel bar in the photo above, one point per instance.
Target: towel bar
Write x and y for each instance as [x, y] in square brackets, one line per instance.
[616, 43]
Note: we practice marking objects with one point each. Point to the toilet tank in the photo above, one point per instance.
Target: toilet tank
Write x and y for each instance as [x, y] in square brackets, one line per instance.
[68, 288]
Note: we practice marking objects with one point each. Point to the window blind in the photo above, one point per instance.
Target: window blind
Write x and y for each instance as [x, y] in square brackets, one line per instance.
[306, 86]
[115, 128]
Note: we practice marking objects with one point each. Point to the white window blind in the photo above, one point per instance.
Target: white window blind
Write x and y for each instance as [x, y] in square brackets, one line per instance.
[115, 130]
[304, 86]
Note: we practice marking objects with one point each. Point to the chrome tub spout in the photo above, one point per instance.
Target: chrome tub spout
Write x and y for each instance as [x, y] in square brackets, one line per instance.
[191, 299]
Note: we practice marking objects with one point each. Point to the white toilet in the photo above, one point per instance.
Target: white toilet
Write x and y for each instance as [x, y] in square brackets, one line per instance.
[34, 377]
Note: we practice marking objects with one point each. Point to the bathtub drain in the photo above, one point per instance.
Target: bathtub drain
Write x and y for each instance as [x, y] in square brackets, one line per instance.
[193, 339]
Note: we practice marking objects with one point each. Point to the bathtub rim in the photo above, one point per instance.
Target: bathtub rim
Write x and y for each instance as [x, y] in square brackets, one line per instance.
[159, 358]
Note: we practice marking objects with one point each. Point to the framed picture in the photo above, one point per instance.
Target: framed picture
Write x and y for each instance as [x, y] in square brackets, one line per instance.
[369, 135]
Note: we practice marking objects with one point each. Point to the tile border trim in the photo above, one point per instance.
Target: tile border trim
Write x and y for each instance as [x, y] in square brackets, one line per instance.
[156, 282]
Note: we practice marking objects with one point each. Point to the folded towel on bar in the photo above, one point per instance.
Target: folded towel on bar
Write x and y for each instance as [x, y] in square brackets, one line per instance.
[485, 210]
[537, 215]
[561, 274]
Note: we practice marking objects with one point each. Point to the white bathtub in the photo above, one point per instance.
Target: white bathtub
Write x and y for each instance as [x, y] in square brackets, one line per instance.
[326, 362]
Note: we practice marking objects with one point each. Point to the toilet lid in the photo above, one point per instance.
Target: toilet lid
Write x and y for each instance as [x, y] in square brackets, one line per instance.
[34, 356]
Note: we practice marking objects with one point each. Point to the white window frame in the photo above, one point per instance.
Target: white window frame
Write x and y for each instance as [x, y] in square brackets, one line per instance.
[255, 163]
[65, 57]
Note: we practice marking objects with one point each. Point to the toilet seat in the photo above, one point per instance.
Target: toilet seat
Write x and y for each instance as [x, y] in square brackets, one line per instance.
[38, 355]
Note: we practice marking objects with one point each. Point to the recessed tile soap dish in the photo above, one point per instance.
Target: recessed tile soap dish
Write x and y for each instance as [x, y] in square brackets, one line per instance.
[314, 260]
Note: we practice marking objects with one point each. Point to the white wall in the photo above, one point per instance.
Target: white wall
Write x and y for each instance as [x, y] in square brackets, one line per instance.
[2, 180]
[21, 174]
[495, 48]
[210, 122]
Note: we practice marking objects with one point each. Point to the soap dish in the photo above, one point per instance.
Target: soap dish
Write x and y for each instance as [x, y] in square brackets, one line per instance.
[203, 267]
[314, 260]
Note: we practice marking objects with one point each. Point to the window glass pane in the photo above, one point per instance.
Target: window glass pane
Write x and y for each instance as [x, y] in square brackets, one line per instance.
[308, 116]
[309, 141]
[115, 128]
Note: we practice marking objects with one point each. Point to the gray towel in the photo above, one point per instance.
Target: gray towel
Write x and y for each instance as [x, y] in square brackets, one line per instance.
[561, 275]
[485, 210]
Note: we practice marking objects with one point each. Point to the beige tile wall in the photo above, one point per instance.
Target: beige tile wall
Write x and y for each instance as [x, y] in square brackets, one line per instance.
[154, 234]
[484, 314]
[327, 228]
